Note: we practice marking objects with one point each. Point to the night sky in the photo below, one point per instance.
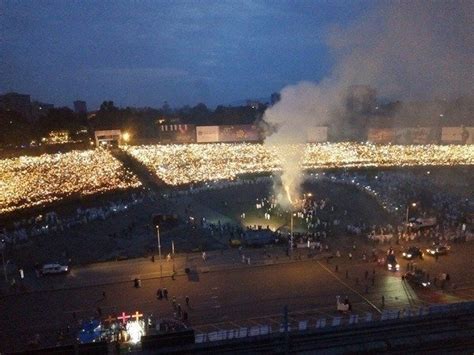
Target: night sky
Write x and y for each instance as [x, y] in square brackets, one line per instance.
[141, 53]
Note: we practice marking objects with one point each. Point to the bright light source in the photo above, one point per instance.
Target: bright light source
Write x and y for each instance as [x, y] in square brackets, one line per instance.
[135, 330]
[413, 204]
[126, 136]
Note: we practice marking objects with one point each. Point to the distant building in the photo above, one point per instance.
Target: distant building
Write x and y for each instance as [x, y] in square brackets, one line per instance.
[80, 106]
[111, 137]
[40, 109]
[17, 102]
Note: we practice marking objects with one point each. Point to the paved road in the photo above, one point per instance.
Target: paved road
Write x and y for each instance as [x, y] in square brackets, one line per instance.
[226, 295]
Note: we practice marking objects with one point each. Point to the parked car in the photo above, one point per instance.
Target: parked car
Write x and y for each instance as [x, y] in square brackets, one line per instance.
[54, 268]
[392, 264]
[413, 253]
[438, 250]
[416, 279]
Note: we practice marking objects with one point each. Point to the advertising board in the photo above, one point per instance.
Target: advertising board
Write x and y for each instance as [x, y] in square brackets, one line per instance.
[381, 135]
[457, 135]
[238, 133]
[207, 134]
[415, 135]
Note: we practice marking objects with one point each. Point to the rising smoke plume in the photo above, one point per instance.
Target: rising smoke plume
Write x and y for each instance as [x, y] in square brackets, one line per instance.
[406, 50]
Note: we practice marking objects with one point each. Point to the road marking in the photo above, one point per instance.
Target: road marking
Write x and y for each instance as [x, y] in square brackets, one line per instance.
[350, 287]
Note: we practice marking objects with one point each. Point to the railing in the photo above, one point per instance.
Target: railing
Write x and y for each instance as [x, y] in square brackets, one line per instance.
[335, 322]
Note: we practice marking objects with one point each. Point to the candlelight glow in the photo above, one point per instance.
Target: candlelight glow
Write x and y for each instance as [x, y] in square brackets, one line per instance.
[194, 163]
[32, 181]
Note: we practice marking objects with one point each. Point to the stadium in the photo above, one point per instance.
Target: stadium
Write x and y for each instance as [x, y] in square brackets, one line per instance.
[52, 193]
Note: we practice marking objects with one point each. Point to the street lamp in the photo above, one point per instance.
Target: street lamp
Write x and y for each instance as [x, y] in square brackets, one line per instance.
[159, 247]
[408, 211]
[126, 137]
[2, 246]
[291, 231]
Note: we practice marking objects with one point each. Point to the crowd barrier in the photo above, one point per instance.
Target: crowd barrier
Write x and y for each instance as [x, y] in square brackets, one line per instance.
[338, 321]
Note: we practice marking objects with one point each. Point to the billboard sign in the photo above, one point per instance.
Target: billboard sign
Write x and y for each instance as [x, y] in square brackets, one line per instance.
[381, 135]
[207, 134]
[316, 134]
[470, 138]
[238, 133]
[457, 135]
[415, 135]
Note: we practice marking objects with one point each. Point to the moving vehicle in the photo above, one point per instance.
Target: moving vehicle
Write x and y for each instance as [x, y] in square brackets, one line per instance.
[54, 268]
[438, 250]
[419, 223]
[416, 279]
[392, 264]
[412, 253]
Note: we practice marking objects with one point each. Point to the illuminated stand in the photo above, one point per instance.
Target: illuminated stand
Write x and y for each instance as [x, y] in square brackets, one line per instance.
[124, 329]
[130, 331]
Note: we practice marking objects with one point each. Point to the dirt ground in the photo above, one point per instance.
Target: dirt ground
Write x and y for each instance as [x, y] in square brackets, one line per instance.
[131, 234]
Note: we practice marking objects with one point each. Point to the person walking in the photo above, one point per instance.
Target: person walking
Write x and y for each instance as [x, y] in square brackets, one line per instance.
[187, 301]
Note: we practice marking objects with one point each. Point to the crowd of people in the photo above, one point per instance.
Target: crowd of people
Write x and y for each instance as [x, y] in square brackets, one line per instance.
[33, 181]
[412, 198]
[53, 222]
[27, 181]
[194, 163]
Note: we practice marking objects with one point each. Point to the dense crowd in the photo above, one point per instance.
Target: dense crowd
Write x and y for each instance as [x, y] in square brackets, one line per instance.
[184, 164]
[414, 197]
[33, 181]
[53, 222]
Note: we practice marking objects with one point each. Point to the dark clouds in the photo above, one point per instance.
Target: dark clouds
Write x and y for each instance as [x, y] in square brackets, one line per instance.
[145, 52]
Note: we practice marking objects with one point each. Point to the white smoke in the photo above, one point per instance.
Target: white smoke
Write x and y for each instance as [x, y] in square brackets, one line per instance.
[405, 49]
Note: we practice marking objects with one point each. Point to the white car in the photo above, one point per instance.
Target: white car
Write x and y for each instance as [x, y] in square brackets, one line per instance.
[54, 269]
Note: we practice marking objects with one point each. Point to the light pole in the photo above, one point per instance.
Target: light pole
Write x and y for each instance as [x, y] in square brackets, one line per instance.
[291, 231]
[408, 211]
[159, 247]
[3, 260]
